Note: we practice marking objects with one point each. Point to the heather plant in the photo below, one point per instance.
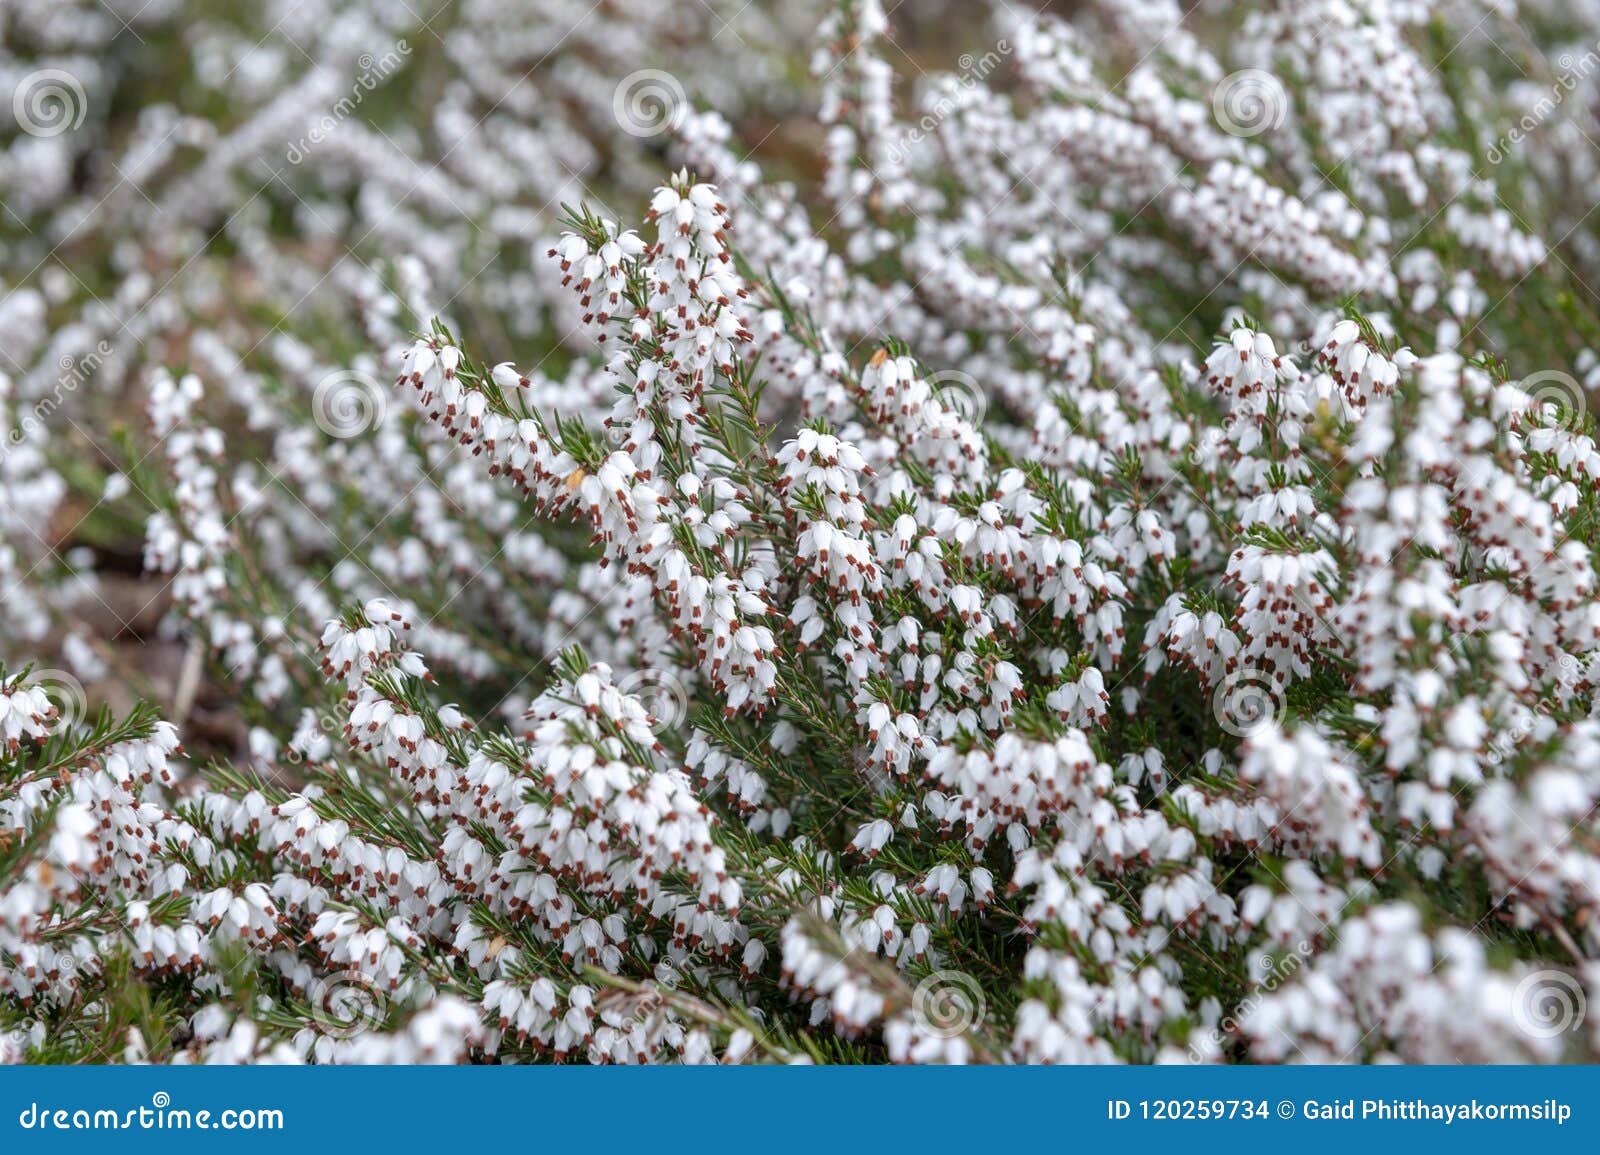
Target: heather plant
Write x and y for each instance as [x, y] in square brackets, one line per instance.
[1084, 557]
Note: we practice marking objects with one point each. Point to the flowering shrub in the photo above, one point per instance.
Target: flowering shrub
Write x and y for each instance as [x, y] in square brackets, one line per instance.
[1098, 567]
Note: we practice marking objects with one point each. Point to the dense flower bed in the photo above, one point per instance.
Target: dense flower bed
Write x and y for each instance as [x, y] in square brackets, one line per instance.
[1092, 562]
